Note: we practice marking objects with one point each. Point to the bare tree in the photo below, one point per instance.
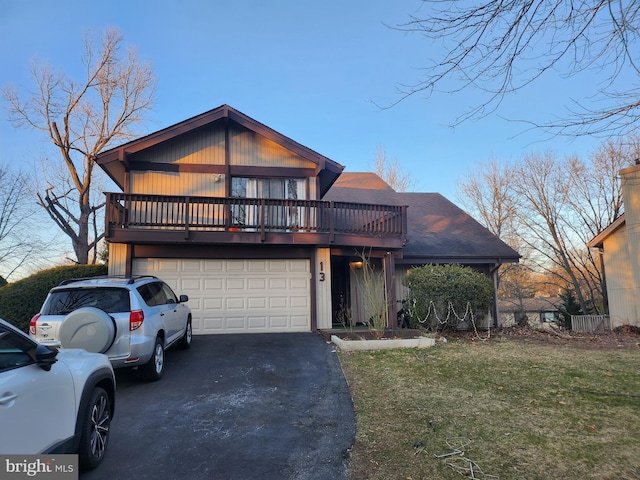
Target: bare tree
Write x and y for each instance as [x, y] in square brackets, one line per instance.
[485, 191]
[17, 241]
[81, 119]
[549, 210]
[499, 47]
[391, 172]
[486, 194]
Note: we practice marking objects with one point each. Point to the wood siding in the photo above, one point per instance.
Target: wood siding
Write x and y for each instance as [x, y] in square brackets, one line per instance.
[174, 183]
[204, 146]
[621, 287]
[118, 258]
[250, 149]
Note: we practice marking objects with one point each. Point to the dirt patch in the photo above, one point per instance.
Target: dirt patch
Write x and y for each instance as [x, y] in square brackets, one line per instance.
[621, 337]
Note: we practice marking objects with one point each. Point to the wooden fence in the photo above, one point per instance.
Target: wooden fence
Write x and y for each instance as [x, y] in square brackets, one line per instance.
[591, 323]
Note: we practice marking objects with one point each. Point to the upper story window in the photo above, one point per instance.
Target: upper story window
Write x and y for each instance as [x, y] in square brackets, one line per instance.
[285, 188]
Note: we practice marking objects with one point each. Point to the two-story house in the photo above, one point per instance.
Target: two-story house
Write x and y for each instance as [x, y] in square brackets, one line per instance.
[266, 235]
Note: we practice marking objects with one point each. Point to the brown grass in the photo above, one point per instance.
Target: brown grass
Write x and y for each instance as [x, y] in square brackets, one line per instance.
[527, 411]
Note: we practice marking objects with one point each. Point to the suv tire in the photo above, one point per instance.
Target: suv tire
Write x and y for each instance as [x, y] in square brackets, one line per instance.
[185, 341]
[154, 368]
[94, 434]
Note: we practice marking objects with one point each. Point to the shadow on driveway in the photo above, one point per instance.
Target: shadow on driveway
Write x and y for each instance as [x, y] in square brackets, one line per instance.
[250, 406]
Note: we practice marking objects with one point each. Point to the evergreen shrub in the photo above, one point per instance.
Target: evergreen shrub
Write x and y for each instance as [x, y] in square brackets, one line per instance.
[441, 295]
[21, 300]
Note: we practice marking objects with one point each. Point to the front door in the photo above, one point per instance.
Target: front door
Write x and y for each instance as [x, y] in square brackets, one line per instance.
[340, 291]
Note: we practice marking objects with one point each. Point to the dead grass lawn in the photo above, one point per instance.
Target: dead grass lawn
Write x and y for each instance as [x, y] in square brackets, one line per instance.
[517, 410]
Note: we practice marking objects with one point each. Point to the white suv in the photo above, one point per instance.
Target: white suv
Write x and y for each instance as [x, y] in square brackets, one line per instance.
[131, 320]
[52, 401]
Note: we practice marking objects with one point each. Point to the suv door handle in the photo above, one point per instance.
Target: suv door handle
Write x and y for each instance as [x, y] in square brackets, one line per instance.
[8, 398]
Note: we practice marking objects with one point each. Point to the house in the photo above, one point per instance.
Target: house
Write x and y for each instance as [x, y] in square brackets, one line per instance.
[619, 248]
[264, 234]
[536, 311]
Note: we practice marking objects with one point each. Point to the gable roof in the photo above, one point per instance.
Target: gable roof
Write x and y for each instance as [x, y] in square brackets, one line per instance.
[598, 240]
[437, 230]
[114, 160]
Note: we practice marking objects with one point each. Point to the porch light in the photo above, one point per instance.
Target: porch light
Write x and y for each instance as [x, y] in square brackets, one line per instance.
[357, 264]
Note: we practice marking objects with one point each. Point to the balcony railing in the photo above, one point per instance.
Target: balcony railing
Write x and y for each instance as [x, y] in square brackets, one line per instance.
[193, 216]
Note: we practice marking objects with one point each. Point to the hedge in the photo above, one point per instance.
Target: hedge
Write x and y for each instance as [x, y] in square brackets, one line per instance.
[21, 300]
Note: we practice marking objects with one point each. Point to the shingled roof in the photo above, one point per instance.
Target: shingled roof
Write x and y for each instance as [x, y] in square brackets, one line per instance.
[437, 230]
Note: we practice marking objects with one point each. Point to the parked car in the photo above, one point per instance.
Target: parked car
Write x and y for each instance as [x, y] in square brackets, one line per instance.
[131, 320]
[52, 401]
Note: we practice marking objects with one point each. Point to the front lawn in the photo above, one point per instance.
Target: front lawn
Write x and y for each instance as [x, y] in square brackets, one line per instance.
[517, 410]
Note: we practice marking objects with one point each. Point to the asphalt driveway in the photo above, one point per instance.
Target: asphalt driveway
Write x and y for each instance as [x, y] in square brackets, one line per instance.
[272, 406]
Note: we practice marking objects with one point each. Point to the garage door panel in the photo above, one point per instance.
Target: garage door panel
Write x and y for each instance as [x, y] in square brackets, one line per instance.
[213, 284]
[236, 266]
[278, 302]
[191, 283]
[299, 302]
[257, 323]
[257, 284]
[279, 321]
[235, 303]
[298, 266]
[256, 303]
[257, 266]
[234, 296]
[213, 265]
[298, 321]
[278, 283]
[235, 323]
[211, 325]
[210, 304]
[235, 284]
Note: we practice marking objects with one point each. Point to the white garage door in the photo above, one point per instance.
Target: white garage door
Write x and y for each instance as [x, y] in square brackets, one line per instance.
[236, 296]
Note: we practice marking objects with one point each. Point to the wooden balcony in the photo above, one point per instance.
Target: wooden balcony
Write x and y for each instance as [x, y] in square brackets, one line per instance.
[162, 219]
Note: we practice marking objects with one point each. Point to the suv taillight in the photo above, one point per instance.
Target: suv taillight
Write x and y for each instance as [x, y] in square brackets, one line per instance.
[135, 320]
[32, 324]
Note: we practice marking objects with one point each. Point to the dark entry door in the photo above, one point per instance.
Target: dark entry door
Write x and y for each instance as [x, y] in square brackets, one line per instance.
[340, 296]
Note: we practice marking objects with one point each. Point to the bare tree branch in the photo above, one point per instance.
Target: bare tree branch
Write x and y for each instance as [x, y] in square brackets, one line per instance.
[499, 47]
[82, 118]
[391, 172]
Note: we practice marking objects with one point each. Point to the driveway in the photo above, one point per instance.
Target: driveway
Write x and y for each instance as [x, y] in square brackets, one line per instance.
[271, 406]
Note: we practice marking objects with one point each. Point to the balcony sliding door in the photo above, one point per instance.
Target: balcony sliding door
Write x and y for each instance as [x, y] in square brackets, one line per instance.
[278, 215]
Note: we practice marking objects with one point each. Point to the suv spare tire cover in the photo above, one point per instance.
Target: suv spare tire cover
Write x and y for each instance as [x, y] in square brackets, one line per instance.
[88, 328]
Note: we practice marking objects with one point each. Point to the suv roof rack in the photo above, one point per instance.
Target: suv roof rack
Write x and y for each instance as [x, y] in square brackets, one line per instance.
[130, 279]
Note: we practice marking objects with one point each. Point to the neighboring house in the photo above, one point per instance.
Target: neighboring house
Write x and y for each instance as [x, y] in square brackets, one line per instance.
[534, 311]
[619, 247]
[266, 235]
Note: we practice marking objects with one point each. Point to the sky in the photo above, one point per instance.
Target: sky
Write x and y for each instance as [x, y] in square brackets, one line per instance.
[316, 72]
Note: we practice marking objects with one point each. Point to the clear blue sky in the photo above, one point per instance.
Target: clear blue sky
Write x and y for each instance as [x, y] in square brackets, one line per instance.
[310, 70]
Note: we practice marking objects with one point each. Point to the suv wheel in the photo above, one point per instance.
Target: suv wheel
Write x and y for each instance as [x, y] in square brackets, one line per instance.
[185, 341]
[96, 421]
[153, 369]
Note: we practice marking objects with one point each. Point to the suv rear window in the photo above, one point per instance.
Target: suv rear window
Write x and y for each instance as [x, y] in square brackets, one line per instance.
[111, 300]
